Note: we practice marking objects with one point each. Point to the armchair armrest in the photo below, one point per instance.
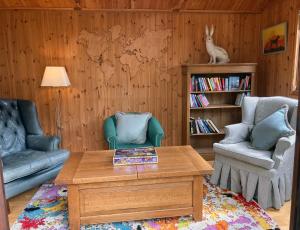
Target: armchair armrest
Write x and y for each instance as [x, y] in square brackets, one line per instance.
[155, 132]
[235, 133]
[43, 143]
[110, 133]
[283, 145]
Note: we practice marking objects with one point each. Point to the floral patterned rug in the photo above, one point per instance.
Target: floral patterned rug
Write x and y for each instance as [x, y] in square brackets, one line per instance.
[222, 210]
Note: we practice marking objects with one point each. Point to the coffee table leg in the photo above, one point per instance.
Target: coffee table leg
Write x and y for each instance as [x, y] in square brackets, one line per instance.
[73, 207]
[197, 197]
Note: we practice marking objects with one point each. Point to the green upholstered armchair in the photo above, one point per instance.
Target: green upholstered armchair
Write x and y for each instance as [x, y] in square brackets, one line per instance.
[155, 134]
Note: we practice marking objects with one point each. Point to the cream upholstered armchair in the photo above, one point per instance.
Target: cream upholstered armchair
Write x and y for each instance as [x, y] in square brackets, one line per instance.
[263, 175]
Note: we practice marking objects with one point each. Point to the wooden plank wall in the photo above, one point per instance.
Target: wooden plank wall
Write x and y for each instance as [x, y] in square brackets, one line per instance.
[203, 5]
[276, 71]
[31, 39]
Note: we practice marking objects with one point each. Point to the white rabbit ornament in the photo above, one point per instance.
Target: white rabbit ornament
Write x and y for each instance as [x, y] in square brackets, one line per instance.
[217, 54]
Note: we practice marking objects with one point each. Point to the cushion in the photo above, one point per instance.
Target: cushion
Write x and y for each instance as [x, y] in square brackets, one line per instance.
[248, 109]
[269, 105]
[266, 133]
[29, 116]
[242, 152]
[29, 161]
[236, 133]
[132, 127]
[12, 131]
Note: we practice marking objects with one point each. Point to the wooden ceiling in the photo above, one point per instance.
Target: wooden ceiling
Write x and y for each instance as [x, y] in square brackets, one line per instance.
[184, 5]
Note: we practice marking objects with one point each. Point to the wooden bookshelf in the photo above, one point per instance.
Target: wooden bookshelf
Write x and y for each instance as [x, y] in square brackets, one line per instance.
[221, 110]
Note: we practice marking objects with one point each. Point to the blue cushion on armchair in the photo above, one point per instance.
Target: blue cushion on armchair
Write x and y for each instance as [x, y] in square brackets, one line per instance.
[132, 127]
[266, 133]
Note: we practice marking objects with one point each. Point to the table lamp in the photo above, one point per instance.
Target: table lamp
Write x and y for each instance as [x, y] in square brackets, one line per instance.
[56, 76]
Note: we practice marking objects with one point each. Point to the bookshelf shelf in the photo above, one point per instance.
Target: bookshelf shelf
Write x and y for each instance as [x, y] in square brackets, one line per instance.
[220, 106]
[208, 134]
[221, 110]
[224, 91]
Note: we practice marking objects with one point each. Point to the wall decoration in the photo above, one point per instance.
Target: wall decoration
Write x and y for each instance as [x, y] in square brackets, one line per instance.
[217, 54]
[148, 47]
[275, 38]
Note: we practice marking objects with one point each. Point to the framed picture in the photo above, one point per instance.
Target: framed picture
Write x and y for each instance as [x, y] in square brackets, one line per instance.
[275, 38]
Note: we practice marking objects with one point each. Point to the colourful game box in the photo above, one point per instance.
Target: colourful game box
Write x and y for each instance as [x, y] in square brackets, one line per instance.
[135, 156]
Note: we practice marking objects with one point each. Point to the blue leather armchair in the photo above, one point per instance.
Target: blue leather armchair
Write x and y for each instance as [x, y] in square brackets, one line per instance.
[155, 134]
[29, 157]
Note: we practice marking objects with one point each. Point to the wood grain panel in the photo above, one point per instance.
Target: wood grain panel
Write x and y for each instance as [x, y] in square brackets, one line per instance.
[277, 70]
[69, 169]
[185, 162]
[74, 209]
[226, 5]
[98, 167]
[136, 214]
[143, 196]
[136, 182]
[30, 40]
[203, 5]
[198, 198]
[38, 3]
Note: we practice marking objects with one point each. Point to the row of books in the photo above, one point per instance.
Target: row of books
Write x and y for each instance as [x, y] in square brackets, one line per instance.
[203, 84]
[198, 126]
[240, 97]
[198, 101]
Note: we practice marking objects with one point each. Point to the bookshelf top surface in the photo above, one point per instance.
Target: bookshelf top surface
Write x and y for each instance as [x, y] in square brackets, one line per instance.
[229, 68]
[216, 65]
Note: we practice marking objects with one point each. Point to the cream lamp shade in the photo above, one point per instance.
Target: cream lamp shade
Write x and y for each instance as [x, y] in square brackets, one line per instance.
[55, 76]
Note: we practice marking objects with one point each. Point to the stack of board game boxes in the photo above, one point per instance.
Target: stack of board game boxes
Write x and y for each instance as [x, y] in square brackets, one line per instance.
[135, 156]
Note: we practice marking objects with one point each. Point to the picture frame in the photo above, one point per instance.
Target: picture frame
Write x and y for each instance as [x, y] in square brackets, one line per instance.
[274, 39]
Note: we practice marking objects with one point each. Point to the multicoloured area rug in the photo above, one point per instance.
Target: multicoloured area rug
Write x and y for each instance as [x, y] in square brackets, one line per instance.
[222, 210]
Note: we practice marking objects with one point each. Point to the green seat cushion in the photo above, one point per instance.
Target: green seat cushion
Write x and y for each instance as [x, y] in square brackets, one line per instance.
[131, 146]
[267, 132]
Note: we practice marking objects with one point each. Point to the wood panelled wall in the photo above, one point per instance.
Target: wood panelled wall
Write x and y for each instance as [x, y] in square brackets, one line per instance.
[203, 5]
[277, 70]
[31, 39]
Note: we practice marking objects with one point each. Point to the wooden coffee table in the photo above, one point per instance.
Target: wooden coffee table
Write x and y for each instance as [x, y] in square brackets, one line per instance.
[98, 192]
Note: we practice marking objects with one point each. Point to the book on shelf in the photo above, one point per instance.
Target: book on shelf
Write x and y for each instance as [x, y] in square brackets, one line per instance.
[240, 97]
[234, 83]
[201, 83]
[198, 126]
[146, 155]
[198, 101]
[245, 83]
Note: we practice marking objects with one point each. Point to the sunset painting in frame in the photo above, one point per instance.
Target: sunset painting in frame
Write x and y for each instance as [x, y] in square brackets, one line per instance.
[275, 38]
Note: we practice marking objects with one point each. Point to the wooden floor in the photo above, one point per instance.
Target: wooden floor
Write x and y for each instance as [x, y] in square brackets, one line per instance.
[17, 204]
